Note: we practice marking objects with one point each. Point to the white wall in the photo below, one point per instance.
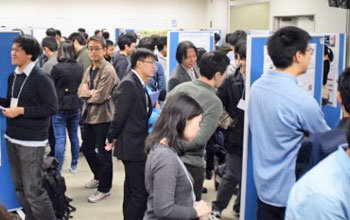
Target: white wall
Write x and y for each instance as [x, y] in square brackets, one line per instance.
[219, 15]
[69, 15]
[327, 19]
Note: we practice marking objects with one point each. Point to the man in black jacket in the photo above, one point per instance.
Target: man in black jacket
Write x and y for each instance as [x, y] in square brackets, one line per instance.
[31, 100]
[129, 130]
[231, 93]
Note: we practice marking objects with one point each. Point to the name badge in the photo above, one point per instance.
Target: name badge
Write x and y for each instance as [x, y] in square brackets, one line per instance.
[14, 102]
[241, 104]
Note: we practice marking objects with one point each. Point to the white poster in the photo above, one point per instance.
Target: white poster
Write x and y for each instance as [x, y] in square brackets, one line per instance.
[306, 80]
[332, 42]
[199, 39]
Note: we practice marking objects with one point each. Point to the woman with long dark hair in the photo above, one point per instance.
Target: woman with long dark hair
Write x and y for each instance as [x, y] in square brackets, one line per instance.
[67, 75]
[167, 180]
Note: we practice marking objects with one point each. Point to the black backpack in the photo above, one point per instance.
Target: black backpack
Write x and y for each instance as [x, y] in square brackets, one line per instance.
[55, 187]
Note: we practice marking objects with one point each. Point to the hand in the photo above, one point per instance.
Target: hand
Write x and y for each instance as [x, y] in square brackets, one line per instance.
[85, 86]
[202, 209]
[157, 105]
[13, 112]
[109, 146]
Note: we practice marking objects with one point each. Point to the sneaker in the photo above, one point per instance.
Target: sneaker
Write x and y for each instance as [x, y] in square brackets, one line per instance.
[73, 169]
[98, 196]
[215, 215]
[92, 184]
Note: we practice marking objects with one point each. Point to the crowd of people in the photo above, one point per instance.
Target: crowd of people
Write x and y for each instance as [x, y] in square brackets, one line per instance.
[168, 149]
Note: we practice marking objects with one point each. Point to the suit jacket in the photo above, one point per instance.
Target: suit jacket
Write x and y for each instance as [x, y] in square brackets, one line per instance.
[178, 76]
[318, 147]
[130, 122]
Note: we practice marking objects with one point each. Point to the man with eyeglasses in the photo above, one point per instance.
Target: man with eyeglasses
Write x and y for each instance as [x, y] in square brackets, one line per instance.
[129, 130]
[96, 90]
[281, 114]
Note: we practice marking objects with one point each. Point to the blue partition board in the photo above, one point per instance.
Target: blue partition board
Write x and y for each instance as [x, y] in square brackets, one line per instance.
[256, 70]
[7, 193]
[117, 33]
[332, 114]
[173, 41]
[129, 31]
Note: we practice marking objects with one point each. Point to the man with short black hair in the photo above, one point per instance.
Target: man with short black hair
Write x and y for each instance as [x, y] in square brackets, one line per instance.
[96, 88]
[233, 39]
[127, 46]
[213, 67]
[281, 114]
[50, 46]
[79, 43]
[129, 130]
[31, 100]
[109, 54]
[162, 48]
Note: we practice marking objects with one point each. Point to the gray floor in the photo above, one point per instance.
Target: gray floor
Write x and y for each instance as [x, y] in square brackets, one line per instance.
[110, 208]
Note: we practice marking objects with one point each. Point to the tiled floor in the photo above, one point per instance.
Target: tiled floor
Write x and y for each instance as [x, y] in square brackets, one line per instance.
[110, 208]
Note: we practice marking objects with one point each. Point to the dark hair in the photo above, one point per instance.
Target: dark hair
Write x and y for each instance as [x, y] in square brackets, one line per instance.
[171, 122]
[344, 88]
[233, 38]
[81, 30]
[140, 54]
[328, 51]
[109, 43]
[285, 43]
[241, 49]
[50, 32]
[105, 35]
[147, 42]
[96, 32]
[77, 37]
[200, 52]
[50, 42]
[66, 52]
[161, 42]
[58, 32]
[181, 51]
[213, 62]
[29, 44]
[99, 39]
[124, 40]
[133, 36]
[217, 37]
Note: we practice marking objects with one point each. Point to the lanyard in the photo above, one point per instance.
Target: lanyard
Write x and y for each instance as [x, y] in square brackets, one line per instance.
[13, 86]
[188, 177]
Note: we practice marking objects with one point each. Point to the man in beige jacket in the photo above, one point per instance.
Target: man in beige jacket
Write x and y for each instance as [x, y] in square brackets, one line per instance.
[96, 89]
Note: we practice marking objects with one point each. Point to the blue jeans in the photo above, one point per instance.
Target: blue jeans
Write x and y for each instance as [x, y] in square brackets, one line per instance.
[60, 122]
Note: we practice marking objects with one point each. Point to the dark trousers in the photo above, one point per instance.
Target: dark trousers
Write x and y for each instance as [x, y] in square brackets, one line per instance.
[197, 174]
[211, 151]
[100, 162]
[266, 211]
[135, 194]
[52, 140]
[230, 180]
[27, 175]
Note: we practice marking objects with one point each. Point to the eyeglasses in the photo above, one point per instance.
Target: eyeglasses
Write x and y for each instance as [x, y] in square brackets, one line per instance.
[94, 48]
[150, 62]
[312, 50]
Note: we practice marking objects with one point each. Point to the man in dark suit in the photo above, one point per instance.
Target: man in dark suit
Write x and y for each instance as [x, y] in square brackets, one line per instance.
[320, 145]
[129, 130]
[185, 70]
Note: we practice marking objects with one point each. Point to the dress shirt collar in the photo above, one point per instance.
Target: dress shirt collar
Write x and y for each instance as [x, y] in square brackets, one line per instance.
[139, 77]
[27, 70]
